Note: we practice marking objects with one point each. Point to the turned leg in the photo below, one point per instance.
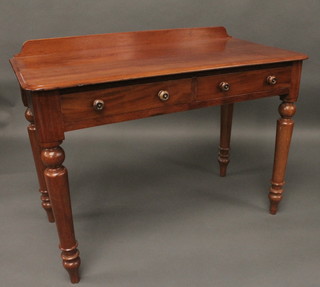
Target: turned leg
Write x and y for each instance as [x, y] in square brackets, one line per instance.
[283, 137]
[225, 135]
[56, 177]
[36, 150]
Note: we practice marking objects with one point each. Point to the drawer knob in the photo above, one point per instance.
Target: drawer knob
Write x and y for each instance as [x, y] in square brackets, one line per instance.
[272, 80]
[224, 86]
[98, 105]
[163, 95]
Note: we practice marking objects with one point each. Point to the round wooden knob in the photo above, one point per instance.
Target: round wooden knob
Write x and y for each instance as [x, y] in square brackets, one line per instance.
[163, 95]
[98, 105]
[272, 80]
[224, 86]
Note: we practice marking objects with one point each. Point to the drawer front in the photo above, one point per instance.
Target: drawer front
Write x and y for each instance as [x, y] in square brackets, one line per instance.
[123, 100]
[240, 83]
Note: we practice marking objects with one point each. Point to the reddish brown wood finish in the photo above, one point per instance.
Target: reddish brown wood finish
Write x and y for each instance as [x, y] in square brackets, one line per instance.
[62, 78]
[76, 61]
[283, 138]
[78, 107]
[225, 136]
[244, 83]
[139, 99]
[56, 177]
[36, 150]
[47, 116]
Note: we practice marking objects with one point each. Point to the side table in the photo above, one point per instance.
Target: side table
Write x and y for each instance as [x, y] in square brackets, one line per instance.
[79, 82]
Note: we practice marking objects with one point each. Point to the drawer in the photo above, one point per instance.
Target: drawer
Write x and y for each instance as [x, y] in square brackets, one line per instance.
[79, 106]
[240, 83]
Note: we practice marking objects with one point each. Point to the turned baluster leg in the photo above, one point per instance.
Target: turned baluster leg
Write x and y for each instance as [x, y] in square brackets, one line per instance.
[225, 135]
[56, 177]
[36, 150]
[283, 137]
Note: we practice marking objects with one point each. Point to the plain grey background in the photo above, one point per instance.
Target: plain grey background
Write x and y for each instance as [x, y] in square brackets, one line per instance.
[149, 206]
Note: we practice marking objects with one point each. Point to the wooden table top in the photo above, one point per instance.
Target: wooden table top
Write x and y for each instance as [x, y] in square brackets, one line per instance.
[49, 64]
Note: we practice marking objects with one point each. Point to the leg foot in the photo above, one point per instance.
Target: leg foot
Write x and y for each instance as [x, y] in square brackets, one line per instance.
[71, 262]
[225, 135]
[283, 138]
[223, 159]
[275, 196]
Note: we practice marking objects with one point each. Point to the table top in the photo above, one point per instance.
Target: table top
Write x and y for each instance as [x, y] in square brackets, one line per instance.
[57, 63]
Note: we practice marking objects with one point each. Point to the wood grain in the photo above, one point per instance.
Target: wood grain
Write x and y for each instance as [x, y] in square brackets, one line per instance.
[139, 100]
[122, 100]
[76, 61]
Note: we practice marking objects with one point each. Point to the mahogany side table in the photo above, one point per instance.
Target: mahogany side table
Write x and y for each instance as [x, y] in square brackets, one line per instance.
[78, 82]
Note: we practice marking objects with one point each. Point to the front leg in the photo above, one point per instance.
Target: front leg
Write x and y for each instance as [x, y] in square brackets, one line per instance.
[283, 138]
[56, 177]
